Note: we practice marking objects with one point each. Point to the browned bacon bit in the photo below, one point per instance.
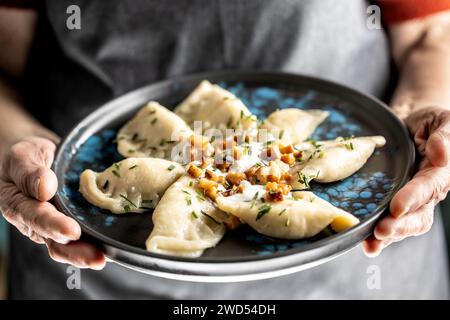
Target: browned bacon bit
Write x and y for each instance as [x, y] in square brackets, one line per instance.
[211, 175]
[206, 184]
[235, 178]
[285, 177]
[288, 158]
[273, 152]
[276, 191]
[211, 193]
[194, 171]
[286, 149]
[298, 154]
[223, 166]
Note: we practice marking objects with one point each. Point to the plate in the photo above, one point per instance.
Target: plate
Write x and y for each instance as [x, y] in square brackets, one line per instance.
[243, 254]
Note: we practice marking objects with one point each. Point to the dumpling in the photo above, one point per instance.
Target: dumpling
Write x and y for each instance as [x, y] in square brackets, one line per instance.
[216, 108]
[292, 126]
[329, 161]
[301, 216]
[153, 132]
[185, 223]
[131, 185]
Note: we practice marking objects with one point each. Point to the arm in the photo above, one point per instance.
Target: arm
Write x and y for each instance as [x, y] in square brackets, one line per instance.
[26, 155]
[421, 50]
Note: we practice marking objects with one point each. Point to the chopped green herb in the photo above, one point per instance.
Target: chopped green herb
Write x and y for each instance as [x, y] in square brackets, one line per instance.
[262, 211]
[188, 201]
[254, 199]
[154, 121]
[131, 151]
[282, 211]
[127, 200]
[126, 208]
[200, 196]
[210, 217]
[190, 183]
[133, 167]
[212, 139]
[152, 111]
[287, 223]
[187, 192]
[242, 114]
[281, 134]
[315, 144]
[304, 179]
[116, 173]
[194, 215]
[171, 167]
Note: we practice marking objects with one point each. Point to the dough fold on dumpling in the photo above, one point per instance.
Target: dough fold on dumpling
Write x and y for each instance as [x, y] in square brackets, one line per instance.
[334, 160]
[153, 132]
[185, 222]
[216, 108]
[302, 216]
[292, 126]
[131, 185]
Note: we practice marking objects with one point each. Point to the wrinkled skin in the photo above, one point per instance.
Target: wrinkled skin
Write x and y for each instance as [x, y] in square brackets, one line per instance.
[412, 207]
[26, 186]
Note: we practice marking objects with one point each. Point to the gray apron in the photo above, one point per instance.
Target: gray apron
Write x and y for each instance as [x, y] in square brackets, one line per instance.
[123, 45]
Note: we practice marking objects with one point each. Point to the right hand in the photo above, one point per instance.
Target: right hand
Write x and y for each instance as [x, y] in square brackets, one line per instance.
[26, 186]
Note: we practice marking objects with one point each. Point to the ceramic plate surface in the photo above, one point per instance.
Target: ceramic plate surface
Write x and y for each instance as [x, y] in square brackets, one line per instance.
[242, 254]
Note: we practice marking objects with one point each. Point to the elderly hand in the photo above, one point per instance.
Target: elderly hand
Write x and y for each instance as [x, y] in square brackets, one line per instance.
[26, 186]
[412, 207]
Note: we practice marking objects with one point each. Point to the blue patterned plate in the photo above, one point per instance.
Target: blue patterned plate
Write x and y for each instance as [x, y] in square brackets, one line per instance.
[242, 254]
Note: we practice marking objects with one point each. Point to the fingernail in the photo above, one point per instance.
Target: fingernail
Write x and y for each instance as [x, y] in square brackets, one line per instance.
[404, 211]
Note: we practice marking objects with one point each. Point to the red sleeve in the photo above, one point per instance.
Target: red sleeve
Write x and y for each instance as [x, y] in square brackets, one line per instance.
[394, 11]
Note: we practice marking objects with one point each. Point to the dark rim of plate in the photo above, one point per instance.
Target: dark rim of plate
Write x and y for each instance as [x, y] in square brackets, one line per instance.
[250, 75]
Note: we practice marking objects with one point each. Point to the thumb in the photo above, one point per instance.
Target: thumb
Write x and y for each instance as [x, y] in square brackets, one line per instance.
[437, 148]
[28, 164]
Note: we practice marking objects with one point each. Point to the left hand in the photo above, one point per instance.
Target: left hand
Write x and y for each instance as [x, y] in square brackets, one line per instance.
[412, 207]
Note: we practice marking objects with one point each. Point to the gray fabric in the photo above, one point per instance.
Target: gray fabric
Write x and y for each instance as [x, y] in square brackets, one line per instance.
[126, 44]
[412, 269]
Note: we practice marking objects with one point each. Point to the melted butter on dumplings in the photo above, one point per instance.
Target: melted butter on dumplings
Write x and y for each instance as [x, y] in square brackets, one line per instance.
[131, 185]
[185, 223]
[302, 216]
[153, 132]
[216, 108]
[292, 126]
